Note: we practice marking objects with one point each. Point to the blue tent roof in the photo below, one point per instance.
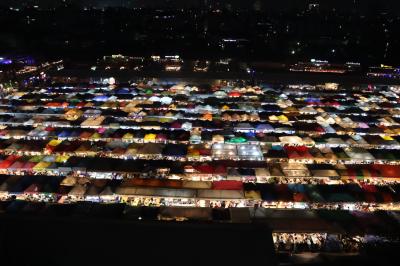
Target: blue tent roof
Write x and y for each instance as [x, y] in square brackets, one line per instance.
[123, 91]
[264, 127]
[100, 98]
[64, 134]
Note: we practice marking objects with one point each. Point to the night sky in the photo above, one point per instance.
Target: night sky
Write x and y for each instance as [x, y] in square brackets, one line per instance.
[361, 5]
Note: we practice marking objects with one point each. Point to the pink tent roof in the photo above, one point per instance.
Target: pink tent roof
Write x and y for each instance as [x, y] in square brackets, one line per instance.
[17, 165]
[176, 124]
[28, 165]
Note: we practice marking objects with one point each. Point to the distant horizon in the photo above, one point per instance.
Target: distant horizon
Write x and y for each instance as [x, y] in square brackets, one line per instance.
[362, 5]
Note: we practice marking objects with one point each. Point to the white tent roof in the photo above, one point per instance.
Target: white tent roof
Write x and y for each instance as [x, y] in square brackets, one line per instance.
[154, 99]
[197, 184]
[293, 166]
[324, 173]
[359, 153]
[291, 139]
[220, 194]
[77, 190]
[335, 141]
[166, 100]
[157, 192]
[262, 172]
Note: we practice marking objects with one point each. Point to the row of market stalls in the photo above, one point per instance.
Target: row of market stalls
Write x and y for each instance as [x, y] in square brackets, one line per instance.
[234, 150]
[255, 122]
[200, 135]
[246, 170]
[356, 98]
[347, 110]
[224, 193]
[123, 150]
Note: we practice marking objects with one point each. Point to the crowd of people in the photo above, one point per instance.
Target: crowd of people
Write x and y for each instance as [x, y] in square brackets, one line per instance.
[321, 181]
[316, 242]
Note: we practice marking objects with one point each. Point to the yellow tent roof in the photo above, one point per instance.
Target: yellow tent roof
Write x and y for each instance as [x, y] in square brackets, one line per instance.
[41, 166]
[283, 118]
[218, 138]
[389, 131]
[273, 118]
[166, 120]
[291, 109]
[128, 136]
[252, 194]
[387, 137]
[150, 136]
[69, 181]
[193, 152]
[54, 142]
[73, 114]
[62, 158]
[95, 136]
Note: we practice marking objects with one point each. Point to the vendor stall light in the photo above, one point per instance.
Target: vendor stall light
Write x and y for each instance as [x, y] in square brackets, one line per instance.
[217, 146]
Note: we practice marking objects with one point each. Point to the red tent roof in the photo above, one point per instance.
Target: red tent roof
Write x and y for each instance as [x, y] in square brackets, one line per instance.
[5, 164]
[204, 169]
[176, 124]
[13, 157]
[369, 188]
[234, 94]
[388, 170]
[227, 185]
[220, 169]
